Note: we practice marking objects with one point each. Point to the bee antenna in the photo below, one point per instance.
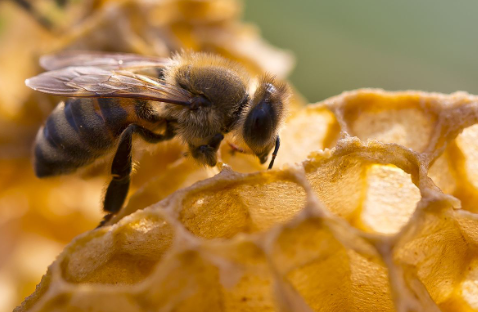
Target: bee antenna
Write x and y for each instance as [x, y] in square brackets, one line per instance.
[274, 153]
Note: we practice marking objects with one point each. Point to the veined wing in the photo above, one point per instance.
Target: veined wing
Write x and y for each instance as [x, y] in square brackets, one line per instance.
[91, 81]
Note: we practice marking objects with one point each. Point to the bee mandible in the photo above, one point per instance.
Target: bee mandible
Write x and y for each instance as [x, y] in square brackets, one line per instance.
[197, 97]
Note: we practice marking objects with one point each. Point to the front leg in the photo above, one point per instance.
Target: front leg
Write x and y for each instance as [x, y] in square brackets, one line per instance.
[207, 154]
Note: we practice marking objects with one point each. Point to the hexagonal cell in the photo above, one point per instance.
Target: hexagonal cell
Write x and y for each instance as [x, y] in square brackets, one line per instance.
[314, 128]
[241, 207]
[390, 199]
[125, 255]
[373, 197]
[405, 119]
[328, 275]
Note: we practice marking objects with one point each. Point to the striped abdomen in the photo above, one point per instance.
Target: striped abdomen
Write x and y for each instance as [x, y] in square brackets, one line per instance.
[79, 131]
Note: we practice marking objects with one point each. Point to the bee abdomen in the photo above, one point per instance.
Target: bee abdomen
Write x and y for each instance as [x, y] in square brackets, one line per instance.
[74, 135]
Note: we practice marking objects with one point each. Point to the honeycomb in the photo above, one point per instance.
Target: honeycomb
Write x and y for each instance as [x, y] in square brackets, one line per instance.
[372, 207]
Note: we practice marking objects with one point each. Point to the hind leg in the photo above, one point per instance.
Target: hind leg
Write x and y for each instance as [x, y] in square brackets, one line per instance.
[122, 166]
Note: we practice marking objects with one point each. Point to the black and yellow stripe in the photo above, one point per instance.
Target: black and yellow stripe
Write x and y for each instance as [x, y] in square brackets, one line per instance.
[79, 131]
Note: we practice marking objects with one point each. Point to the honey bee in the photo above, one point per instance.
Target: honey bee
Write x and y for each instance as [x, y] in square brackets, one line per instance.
[197, 97]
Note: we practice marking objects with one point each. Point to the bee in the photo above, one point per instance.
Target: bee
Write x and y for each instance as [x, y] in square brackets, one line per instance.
[197, 97]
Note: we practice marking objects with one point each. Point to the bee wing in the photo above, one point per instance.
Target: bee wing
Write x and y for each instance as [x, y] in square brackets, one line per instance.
[90, 81]
[100, 59]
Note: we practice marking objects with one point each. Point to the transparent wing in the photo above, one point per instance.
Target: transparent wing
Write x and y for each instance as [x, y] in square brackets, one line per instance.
[100, 59]
[92, 81]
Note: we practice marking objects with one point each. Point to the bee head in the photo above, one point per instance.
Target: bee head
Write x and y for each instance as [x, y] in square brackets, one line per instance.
[263, 120]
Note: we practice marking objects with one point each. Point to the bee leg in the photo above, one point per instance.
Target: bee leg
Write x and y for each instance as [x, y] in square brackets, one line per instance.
[106, 218]
[122, 166]
[274, 153]
[207, 153]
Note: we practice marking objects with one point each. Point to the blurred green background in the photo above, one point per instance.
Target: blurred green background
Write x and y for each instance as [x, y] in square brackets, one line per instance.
[395, 45]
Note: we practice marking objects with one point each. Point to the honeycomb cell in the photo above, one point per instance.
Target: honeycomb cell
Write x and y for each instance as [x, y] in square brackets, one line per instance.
[390, 199]
[226, 209]
[314, 128]
[405, 119]
[315, 264]
[328, 274]
[363, 189]
[395, 127]
[126, 256]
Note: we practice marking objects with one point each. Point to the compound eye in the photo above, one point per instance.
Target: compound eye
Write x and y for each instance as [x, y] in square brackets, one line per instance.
[260, 126]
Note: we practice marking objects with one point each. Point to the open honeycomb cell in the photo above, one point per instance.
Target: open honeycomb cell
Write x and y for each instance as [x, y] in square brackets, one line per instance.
[390, 199]
[357, 218]
[252, 205]
[407, 120]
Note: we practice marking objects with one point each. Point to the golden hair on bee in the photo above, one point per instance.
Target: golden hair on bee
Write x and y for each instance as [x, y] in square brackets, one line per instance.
[204, 60]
